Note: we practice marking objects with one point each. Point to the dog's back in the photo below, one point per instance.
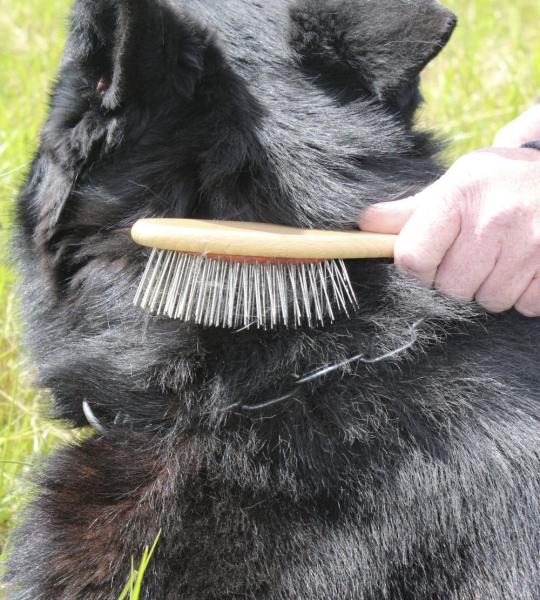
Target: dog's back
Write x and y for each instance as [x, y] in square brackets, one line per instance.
[414, 477]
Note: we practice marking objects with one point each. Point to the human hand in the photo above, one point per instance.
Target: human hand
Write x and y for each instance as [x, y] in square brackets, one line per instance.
[521, 130]
[474, 233]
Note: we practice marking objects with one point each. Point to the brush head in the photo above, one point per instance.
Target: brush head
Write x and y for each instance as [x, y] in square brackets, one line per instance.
[238, 291]
[241, 274]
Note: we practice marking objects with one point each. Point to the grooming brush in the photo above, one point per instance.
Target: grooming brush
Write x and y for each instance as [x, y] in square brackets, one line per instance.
[238, 274]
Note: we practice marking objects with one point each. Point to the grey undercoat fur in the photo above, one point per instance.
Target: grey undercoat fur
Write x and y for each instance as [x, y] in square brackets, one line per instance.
[414, 478]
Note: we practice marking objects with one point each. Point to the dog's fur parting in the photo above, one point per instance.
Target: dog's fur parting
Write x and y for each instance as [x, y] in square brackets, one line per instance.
[416, 478]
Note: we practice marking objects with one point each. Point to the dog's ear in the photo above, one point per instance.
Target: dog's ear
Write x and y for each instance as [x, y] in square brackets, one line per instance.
[122, 58]
[384, 44]
[132, 46]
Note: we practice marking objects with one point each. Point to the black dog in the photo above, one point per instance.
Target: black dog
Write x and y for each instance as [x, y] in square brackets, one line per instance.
[413, 478]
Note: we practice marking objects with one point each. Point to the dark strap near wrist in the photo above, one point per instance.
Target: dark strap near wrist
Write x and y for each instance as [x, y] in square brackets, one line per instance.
[535, 145]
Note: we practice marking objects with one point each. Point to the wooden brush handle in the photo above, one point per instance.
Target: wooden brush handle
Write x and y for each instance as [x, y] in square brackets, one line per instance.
[238, 238]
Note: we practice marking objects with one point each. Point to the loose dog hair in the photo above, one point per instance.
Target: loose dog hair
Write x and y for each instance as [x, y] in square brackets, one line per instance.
[410, 478]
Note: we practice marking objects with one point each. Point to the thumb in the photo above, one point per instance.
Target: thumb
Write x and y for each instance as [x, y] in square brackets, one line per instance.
[388, 217]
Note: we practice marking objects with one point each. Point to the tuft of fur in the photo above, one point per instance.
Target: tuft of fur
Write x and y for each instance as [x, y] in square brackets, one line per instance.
[411, 479]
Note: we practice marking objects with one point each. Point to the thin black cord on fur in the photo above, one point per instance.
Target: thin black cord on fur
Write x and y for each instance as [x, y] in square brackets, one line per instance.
[326, 370]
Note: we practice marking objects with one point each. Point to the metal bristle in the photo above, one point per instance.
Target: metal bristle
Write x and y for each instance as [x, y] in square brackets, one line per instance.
[218, 292]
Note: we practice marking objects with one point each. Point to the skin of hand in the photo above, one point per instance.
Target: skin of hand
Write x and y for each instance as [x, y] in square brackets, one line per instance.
[475, 233]
[523, 129]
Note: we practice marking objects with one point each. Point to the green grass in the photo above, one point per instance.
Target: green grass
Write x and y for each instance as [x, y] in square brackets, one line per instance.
[30, 46]
[133, 587]
[490, 72]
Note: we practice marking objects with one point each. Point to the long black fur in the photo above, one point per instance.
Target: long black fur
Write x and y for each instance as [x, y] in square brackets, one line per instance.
[411, 479]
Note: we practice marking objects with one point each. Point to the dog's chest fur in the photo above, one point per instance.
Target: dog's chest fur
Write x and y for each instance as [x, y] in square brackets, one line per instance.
[414, 478]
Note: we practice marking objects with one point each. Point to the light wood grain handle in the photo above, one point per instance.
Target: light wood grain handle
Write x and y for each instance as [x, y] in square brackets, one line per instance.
[238, 238]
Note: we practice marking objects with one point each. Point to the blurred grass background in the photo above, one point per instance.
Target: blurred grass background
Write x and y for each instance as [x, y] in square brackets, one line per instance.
[488, 74]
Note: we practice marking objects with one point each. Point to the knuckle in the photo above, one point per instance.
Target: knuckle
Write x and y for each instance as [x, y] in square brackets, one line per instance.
[492, 307]
[465, 181]
[528, 310]
[493, 304]
[447, 285]
[502, 218]
[508, 217]
[529, 303]
[411, 261]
